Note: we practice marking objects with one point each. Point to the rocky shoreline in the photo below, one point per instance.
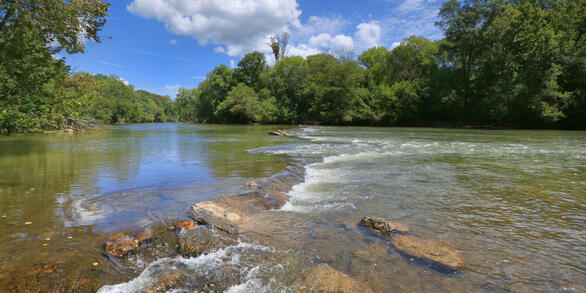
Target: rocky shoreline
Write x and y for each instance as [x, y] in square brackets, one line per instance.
[217, 224]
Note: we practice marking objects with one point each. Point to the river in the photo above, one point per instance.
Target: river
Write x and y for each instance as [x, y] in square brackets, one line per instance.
[513, 204]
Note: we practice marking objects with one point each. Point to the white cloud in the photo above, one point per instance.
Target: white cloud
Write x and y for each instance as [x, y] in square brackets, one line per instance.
[321, 40]
[237, 27]
[173, 42]
[342, 42]
[320, 25]
[303, 50]
[395, 45]
[219, 50]
[412, 5]
[110, 64]
[368, 35]
[123, 81]
[173, 87]
[241, 25]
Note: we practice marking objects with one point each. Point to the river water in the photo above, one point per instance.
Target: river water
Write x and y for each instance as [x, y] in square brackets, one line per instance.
[513, 204]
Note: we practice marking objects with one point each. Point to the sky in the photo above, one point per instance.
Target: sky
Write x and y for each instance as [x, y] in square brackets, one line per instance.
[162, 45]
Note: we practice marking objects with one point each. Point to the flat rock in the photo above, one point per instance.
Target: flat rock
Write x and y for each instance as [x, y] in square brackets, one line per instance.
[428, 250]
[383, 225]
[217, 215]
[204, 239]
[324, 278]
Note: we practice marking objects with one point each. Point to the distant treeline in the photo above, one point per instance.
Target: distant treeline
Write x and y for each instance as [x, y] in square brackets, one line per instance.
[502, 63]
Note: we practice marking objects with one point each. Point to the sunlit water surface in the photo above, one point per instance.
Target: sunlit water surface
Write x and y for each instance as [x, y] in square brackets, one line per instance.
[513, 203]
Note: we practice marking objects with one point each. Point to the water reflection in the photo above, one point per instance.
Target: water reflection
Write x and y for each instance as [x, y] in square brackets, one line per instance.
[54, 186]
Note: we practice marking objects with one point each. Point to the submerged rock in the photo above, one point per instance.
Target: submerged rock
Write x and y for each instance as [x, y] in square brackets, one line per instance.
[324, 278]
[164, 283]
[120, 245]
[279, 132]
[383, 225]
[251, 184]
[429, 251]
[186, 225]
[204, 239]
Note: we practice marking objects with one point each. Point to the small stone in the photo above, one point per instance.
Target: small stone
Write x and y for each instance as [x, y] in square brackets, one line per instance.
[47, 239]
[45, 244]
[171, 228]
[28, 223]
[95, 264]
[186, 225]
[251, 184]
[69, 237]
[383, 225]
[4, 216]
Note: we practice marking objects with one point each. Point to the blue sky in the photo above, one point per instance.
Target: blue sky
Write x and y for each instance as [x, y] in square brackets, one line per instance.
[161, 45]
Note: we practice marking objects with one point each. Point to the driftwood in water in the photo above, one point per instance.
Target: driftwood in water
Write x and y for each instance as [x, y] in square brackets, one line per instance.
[279, 132]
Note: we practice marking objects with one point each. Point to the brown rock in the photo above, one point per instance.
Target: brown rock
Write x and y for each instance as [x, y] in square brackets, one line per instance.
[383, 225]
[120, 246]
[323, 278]
[204, 239]
[217, 215]
[165, 283]
[428, 250]
[251, 184]
[186, 225]
[143, 236]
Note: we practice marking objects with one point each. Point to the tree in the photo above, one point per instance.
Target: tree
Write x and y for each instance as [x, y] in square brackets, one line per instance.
[336, 90]
[213, 91]
[31, 80]
[288, 81]
[250, 68]
[60, 24]
[278, 45]
[241, 105]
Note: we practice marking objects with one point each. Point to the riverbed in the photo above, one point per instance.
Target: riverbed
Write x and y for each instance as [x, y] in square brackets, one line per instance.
[512, 203]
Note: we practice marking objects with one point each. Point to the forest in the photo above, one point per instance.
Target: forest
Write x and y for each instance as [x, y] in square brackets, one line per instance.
[502, 63]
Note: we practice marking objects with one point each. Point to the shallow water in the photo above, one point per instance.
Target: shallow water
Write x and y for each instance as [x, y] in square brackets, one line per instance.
[60, 193]
[513, 203]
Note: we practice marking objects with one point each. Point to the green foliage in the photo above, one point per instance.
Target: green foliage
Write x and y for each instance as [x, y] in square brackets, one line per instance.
[250, 69]
[502, 62]
[241, 105]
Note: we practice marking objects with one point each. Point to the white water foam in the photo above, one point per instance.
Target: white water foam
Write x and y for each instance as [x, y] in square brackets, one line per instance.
[198, 265]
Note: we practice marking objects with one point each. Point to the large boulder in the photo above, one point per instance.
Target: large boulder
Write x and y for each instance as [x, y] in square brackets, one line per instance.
[428, 250]
[324, 278]
[383, 225]
[217, 215]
